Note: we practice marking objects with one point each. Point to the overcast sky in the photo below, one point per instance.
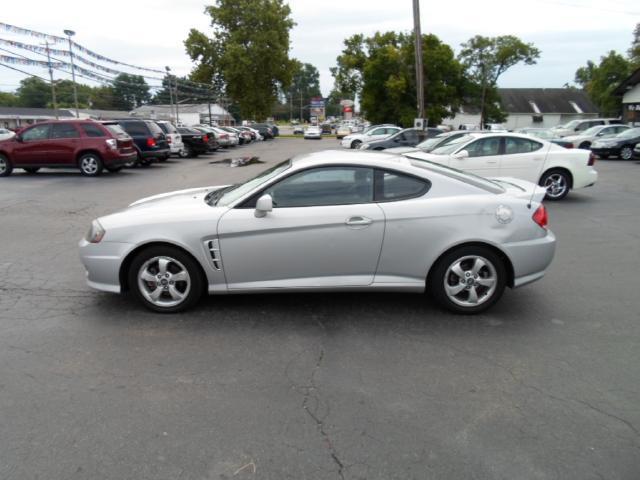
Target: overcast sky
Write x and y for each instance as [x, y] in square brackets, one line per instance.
[151, 32]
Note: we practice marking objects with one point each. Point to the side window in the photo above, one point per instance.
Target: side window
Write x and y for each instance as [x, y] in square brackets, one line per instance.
[379, 131]
[64, 130]
[392, 186]
[91, 130]
[520, 145]
[410, 135]
[135, 128]
[484, 147]
[40, 132]
[324, 186]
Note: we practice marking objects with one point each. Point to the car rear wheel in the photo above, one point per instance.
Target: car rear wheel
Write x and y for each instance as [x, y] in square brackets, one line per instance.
[626, 153]
[356, 143]
[585, 145]
[468, 280]
[165, 279]
[5, 166]
[90, 165]
[557, 184]
[31, 170]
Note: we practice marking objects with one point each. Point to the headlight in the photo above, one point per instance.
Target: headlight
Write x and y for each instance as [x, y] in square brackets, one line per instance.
[95, 233]
[364, 146]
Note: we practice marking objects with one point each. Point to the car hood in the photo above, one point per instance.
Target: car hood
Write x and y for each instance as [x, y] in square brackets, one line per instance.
[575, 138]
[400, 150]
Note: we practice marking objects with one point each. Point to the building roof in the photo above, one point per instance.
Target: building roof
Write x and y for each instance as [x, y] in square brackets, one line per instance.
[202, 108]
[628, 83]
[538, 101]
[24, 112]
[104, 114]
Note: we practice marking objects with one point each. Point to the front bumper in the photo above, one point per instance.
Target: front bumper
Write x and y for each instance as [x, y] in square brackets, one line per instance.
[606, 151]
[102, 263]
[530, 258]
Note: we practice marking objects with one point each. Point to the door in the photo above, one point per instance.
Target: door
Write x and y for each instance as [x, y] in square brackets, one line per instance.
[324, 231]
[63, 143]
[523, 158]
[483, 159]
[34, 147]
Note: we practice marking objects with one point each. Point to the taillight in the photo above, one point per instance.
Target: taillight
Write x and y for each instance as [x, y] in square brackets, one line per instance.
[224, 135]
[592, 160]
[205, 138]
[540, 216]
[112, 143]
[169, 140]
[151, 142]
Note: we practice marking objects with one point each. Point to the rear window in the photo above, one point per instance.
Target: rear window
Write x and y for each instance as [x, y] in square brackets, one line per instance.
[465, 177]
[153, 126]
[167, 127]
[91, 130]
[116, 130]
[135, 128]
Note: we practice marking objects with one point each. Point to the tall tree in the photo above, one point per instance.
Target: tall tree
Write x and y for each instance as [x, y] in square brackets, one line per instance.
[8, 99]
[305, 84]
[34, 93]
[249, 52]
[634, 50]
[130, 91]
[599, 81]
[381, 71]
[486, 58]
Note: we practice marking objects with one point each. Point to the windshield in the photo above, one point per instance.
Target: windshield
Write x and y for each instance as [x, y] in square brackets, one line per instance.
[544, 134]
[465, 177]
[591, 131]
[632, 132]
[231, 194]
[452, 145]
[571, 125]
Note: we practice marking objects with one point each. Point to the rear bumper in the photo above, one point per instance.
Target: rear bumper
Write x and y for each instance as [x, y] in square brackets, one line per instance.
[585, 179]
[530, 258]
[119, 160]
[176, 147]
[159, 153]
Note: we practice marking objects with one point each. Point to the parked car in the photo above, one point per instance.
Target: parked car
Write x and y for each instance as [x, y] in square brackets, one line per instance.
[409, 137]
[195, 142]
[176, 146]
[636, 152]
[298, 130]
[545, 134]
[236, 135]
[558, 169]
[495, 127]
[586, 138]
[212, 138]
[375, 132]
[82, 144]
[342, 131]
[148, 138]
[621, 145]
[326, 128]
[6, 134]
[327, 221]
[255, 134]
[575, 127]
[313, 131]
[265, 130]
[431, 143]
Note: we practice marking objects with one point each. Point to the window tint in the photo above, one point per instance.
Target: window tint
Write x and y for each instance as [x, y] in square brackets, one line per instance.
[41, 132]
[520, 145]
[135, 128]
[484, 147]
[64, 130]
[396, 186]
[324, 186]
[91, 130]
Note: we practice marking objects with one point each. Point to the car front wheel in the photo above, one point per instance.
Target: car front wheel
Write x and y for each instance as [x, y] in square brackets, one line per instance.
[356, 143]
[468, 280]
[165, 279]
[90, 165]
[626, 153]
[5, 166]
[557, 184]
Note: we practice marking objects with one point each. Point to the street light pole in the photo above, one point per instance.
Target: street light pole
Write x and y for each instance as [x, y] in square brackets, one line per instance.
[177, 115]
[69, 34]
[419, 67]
[170, 92]
[53, 86]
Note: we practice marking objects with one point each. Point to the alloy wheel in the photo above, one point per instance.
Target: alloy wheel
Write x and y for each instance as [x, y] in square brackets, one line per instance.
[89, 165]
[556, 185]
[164, 281]
[626, 153]
[470, 281]
[3, 165]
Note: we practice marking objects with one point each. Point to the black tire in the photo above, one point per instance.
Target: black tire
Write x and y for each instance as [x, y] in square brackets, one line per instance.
[355, 144]
[196, 287]
[90, 165]
[144, 162]
[5, 166]
[585, 145]
[31, 170]
[557, 183]
[113, 169]
[183, 153]
[626, 153]
[441, 273]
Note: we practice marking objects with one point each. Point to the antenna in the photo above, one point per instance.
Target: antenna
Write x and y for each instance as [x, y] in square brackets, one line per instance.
[544, 162]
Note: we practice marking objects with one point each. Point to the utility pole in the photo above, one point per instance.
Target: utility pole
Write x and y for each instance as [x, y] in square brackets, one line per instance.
[53, 86]
[419, 67]
[209, 100]
[177, 115]
[170, 92]
[290, 107]
[69, 34]
[301, 117]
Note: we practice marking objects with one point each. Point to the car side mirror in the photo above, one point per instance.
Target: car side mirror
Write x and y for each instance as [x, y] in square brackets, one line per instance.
[263, 205]
[462, 154]
[18, 137]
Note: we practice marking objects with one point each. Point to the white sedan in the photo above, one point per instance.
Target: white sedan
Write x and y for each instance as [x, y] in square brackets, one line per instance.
[557, 169]
[6, 134]
[376, 132]
[313, 131]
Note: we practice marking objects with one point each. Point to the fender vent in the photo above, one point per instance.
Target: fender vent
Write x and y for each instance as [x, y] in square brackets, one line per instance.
[214, 252]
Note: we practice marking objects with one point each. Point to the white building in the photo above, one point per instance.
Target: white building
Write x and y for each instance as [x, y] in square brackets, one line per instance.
[188, 114]
[629, 90]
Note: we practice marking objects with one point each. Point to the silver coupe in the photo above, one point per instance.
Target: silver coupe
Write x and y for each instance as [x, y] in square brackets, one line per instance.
[332, 220]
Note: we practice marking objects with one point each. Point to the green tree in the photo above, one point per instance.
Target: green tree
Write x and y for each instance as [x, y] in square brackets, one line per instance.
[634, 50]
[8, 99]
[64, 95]
[103, 98]
[130, 91]
[248, 52]
[305, 84]
[34, 93]
[486, 58]
[381, 71]
[599, 81]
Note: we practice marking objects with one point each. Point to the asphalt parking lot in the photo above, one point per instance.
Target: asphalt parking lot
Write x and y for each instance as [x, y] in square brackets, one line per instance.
[314, 386]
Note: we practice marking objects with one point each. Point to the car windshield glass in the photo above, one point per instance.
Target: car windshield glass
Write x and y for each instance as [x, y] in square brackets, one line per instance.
[544, 134]
[238, 191]
[465, 177]
[632, 132]
[431, 143]
[572, 124]
[452, 146]
[592, 131]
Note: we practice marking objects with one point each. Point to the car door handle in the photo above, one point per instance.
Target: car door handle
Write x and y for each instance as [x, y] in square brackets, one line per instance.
[492, 161]
[358, 221]
[537, 159]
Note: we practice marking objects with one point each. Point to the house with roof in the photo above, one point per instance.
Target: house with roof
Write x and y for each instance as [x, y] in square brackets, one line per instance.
[188, 114]
[534, 107]
[17, 117]
[629, 90]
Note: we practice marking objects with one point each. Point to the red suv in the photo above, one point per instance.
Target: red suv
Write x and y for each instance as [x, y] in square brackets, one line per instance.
[84, 144]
